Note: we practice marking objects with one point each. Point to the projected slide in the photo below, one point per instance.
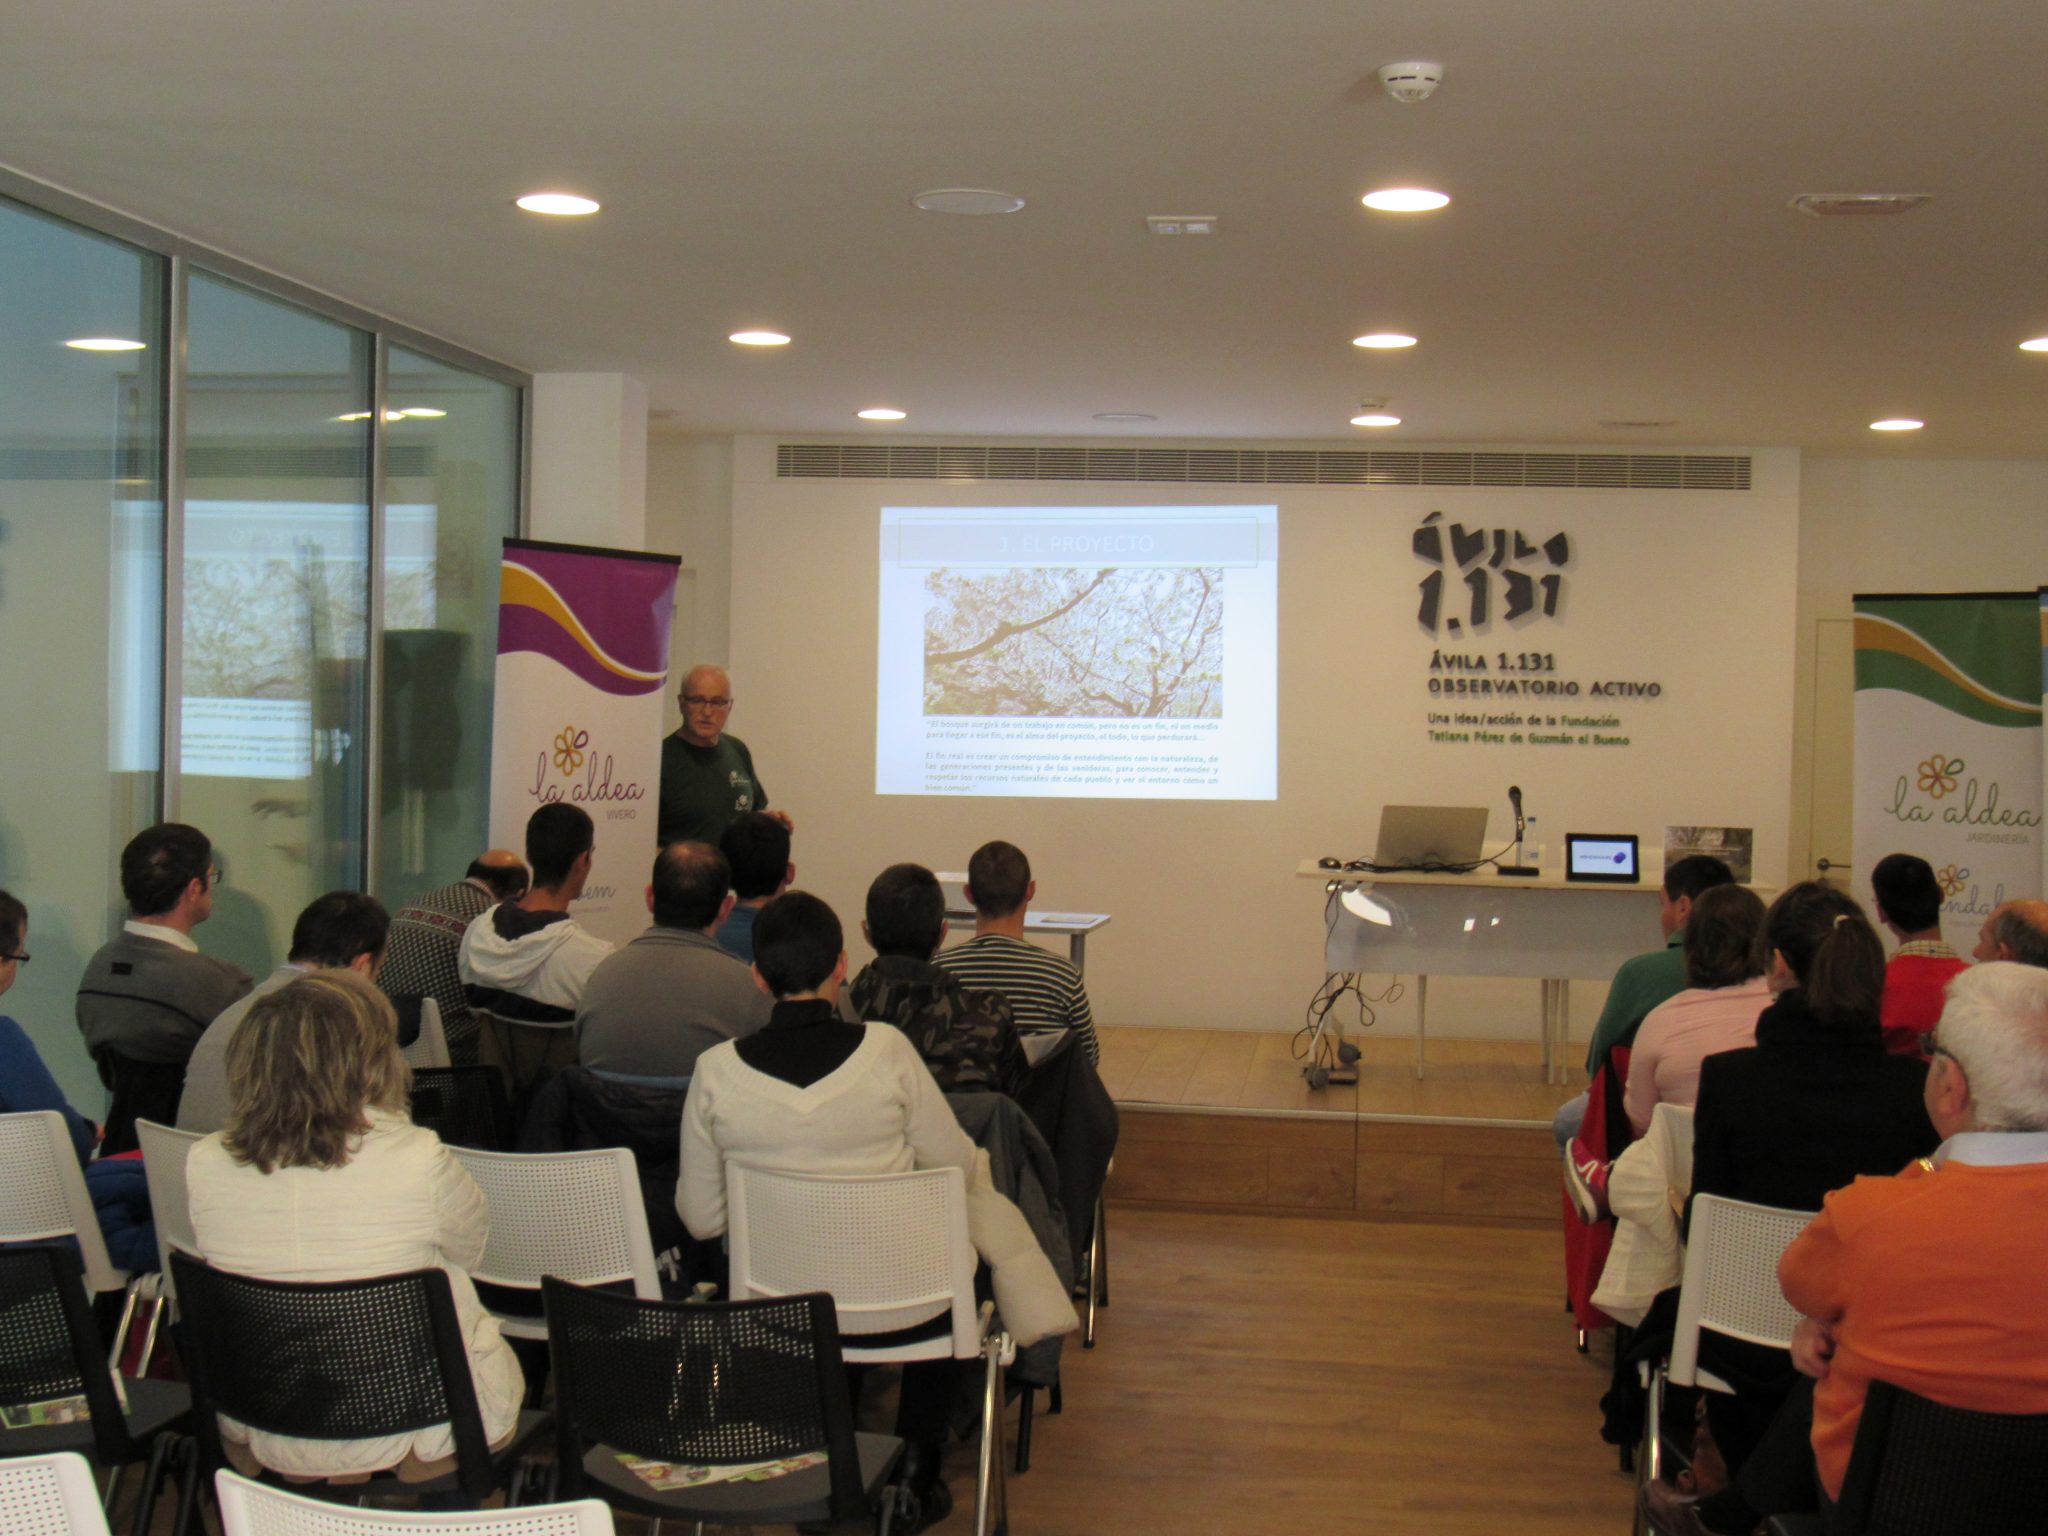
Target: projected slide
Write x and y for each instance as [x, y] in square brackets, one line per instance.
[1109, 652]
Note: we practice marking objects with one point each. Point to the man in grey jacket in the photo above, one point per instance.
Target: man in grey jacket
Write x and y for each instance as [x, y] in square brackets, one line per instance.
[649, 1010]
[148, 993]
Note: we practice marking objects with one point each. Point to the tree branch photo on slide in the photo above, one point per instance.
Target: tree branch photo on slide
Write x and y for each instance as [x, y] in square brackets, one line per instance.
[1122, 642]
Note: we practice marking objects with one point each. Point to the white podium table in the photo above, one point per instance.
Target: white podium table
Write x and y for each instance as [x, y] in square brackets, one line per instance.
[1076, 926]
[1485, 924]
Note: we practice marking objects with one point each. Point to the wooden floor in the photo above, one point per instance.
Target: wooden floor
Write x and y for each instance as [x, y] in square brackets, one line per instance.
[1248, 1070]
[1299, 1376]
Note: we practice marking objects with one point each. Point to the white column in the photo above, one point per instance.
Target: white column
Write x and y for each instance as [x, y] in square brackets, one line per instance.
[589, 460]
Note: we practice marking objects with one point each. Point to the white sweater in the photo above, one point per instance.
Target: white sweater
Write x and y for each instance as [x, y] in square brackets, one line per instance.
[879, 1111]
[400, 1202]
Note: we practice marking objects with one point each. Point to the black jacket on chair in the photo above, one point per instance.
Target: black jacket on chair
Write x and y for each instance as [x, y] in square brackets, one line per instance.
[579, 1109]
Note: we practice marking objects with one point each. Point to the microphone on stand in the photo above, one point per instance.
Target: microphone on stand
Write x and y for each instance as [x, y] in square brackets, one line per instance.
[1518, 867]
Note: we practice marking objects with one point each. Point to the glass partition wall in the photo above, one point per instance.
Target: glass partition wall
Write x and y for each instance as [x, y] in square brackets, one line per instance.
[248, 580]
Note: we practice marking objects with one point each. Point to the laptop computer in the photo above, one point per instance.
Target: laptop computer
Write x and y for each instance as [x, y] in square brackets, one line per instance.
[1420, 836]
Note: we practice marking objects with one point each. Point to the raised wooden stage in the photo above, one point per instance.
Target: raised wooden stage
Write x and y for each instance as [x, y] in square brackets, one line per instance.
[1222, 1119]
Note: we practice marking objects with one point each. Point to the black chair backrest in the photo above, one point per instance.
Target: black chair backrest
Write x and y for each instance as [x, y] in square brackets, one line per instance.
[713, 1385]
[333, 1360]
[464, 1106]
[1922, 1469]
[50, 1347]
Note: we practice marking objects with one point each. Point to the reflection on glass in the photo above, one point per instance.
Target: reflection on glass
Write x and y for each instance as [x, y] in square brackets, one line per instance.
[275, 636]
[81, 583]
[452, 448]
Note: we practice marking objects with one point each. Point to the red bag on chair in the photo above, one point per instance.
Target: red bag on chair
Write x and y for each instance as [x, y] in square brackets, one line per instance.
[1601, 1139]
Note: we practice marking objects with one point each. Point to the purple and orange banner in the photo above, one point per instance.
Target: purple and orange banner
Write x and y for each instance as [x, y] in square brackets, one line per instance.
[583, 638]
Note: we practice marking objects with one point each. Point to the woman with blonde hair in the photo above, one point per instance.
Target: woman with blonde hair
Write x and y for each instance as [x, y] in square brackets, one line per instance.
[320, 1174]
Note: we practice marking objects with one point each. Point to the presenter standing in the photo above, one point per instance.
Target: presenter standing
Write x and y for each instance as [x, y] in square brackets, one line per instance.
[707, 776]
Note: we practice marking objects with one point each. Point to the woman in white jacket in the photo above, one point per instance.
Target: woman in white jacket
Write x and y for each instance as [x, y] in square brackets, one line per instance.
[321, 1175]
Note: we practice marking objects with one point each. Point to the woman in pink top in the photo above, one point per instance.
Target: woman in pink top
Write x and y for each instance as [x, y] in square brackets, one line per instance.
[1725, 991]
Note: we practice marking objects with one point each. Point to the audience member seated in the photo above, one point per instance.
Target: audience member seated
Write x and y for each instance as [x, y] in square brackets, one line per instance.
[968, 1039]
[25, 1083]
[320, 1175]
[1045, 992]
[1724, 992]
[1644, 981]
[651, 1009]
[1813, 1104]
[756, 845]
[148, 994]
[421, 956]
[2015, 930]
[812, 1093]
[1909, 904]
[1927, 1278]
[525, 962]
[342, 930]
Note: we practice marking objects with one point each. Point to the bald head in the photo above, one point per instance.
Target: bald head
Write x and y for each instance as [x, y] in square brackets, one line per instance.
[691, 888]
[502, 871]
[2015, 930]
[706, 702]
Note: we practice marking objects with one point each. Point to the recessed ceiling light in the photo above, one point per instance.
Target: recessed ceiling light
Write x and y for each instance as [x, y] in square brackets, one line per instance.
[758, 339]
[425, 412]
[968, 200]
[354, 416]
[1375, 419]
[562, 205]
[2038, 344]
[881, 413]
[1897, 424]
[1406, 200]
[1129, 417]
[394, 415]
[1635, 423]
[106, 344]
[1383, 340]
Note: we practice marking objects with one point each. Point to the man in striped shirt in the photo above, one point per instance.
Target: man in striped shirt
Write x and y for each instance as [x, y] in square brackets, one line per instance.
[1045, 992]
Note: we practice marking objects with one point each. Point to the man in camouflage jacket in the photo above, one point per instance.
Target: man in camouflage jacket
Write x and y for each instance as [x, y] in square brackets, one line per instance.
[968, 1039]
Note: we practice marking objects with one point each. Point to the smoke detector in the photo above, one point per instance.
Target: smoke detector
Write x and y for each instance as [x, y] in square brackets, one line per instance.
[1839, 205]
[1411, 82]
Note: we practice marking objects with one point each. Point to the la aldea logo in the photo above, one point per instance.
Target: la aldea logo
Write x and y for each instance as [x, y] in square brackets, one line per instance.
[1940, 775]
[569, 745]
[573, 751]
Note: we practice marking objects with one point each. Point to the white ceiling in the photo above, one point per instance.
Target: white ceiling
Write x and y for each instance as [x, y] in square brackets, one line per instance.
[1619, 247]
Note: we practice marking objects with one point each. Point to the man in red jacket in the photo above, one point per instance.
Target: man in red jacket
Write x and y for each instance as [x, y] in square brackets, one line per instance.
[1909, 904]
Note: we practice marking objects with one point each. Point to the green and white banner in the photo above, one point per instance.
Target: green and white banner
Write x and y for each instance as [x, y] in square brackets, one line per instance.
[1948, 745]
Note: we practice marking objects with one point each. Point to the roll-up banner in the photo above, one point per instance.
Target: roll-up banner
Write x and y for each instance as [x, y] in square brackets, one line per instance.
[1948, 746]
[582, 663]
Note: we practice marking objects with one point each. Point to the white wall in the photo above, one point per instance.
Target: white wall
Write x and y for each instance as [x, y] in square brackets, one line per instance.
[689, 513]
[1211, 926]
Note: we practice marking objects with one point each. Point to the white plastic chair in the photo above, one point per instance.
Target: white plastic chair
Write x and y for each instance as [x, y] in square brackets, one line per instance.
[430, 1047]
[43, 1198]
[164, 1150]
[50, 1496]
[577, 1216]
[255, 1509]
[893, 1251]
[1730, 1287]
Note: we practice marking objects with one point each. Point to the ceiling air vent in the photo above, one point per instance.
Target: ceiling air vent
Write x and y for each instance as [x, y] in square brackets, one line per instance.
[1851, 205]
[1265, 466]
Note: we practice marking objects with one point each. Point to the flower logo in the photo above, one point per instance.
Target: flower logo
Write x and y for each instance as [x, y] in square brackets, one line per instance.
[1938, 774]
[569, 745]
[1952, 878]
